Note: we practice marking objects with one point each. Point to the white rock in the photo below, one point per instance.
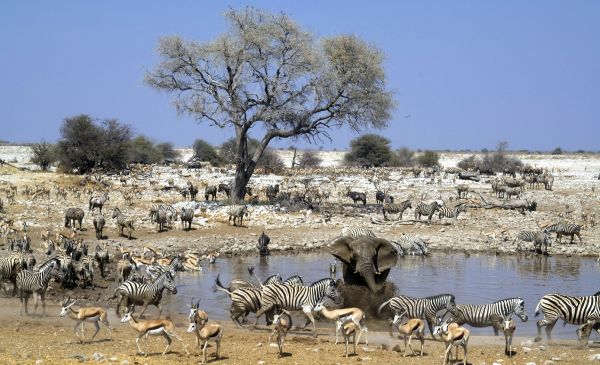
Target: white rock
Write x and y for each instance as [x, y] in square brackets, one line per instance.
[527, 343]
[595, 357]
[526, 349]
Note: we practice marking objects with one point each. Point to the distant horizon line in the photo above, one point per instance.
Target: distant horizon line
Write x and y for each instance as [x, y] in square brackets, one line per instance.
[418, 150]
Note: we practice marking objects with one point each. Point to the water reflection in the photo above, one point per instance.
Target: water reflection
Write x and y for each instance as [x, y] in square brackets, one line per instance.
[475, 279]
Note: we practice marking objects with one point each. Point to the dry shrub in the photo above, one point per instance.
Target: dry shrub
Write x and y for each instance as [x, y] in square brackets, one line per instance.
[361, 297]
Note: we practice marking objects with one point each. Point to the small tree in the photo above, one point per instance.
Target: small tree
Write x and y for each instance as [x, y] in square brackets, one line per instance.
[167, 151]
[265, 73]
[271, 160]
[80, 144]
[403, 157]
[429, 159]
[204, 151]
[310, 158]
[142, 150]
[369, 150]
[114, 151]
[557, 151]
[43, 155]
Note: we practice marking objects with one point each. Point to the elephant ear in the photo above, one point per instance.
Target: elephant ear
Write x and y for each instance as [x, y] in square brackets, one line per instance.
[340, 248]
[387, 257]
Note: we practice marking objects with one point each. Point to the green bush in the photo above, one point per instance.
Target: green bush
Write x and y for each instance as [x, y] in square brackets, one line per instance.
[204, 151]
[369, 150]
[168, 151]
[142, 150]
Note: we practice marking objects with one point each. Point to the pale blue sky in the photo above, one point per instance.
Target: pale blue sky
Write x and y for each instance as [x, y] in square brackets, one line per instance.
[466, 74]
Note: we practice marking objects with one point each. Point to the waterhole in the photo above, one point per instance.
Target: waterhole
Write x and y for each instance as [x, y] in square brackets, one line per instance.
[474, 279]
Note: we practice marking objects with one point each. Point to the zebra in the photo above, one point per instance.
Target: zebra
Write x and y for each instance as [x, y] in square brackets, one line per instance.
[10, 266]
[298, 297]
[123, 221]
[97, 202]
[131, 292]
[410, 245]
[193, 190]
[356, 196]
[357, 232]
[29, 281]
[498, 188]
[173, 266]
[572, 310]
[210, 191]
[244, 301]
[548, 181]
[237, 212]
[160, 218]
[225, 189]
[170, 213]
[294, 280]
[424, 308]
[492, 314]
[99, 223]
[565, 229]
[391, 208]
[426, 209]
[186, 215]
[102, 258]
[72, 215]
[452, 212]
[538, 239]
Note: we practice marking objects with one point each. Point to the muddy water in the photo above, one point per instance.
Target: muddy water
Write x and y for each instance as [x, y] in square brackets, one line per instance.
[475, 279]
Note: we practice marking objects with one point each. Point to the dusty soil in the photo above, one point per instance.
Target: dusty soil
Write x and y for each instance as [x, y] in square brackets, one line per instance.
[50, 340]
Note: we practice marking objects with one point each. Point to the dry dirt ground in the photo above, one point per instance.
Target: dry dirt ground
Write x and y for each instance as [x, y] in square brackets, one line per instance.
[50, 340]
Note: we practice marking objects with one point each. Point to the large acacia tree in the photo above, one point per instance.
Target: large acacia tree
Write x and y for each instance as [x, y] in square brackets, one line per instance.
[269, 74]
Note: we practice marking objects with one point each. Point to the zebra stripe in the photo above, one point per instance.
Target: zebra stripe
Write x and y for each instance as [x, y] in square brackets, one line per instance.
[298, 297]
[29, 282]
[391, 208]
[237, 212]
[409, 245]
[423, 308]
[538, 239]
[572, 310]
[294, 280]
[244, 301]
[132, 292]
[492, 314]
[426, 209]
[565, 229]
[123, 221]
[173, 266]
[452, 212]
[357, 232]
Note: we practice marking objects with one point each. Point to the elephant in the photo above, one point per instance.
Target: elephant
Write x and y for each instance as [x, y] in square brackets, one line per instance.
[367, 261]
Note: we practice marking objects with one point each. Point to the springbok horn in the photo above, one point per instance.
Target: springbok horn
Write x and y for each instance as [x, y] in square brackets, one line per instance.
[70, 305]
[198, 303]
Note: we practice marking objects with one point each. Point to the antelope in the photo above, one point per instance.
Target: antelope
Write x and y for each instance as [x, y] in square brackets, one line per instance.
[152, 327]
[85, 314]
[282, 324]
[203, 331]
[414, 326]
[508, 327]
[453, 335]
[356, 315]
[349, 329]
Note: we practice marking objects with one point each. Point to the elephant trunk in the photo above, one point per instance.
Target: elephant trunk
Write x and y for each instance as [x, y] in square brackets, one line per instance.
[367, 271]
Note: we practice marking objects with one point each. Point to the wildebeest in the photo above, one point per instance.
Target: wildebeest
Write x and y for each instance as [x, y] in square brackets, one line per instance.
[224, 188]
[210, 191]
[97, 202]
[262, 245]
[356, 196]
